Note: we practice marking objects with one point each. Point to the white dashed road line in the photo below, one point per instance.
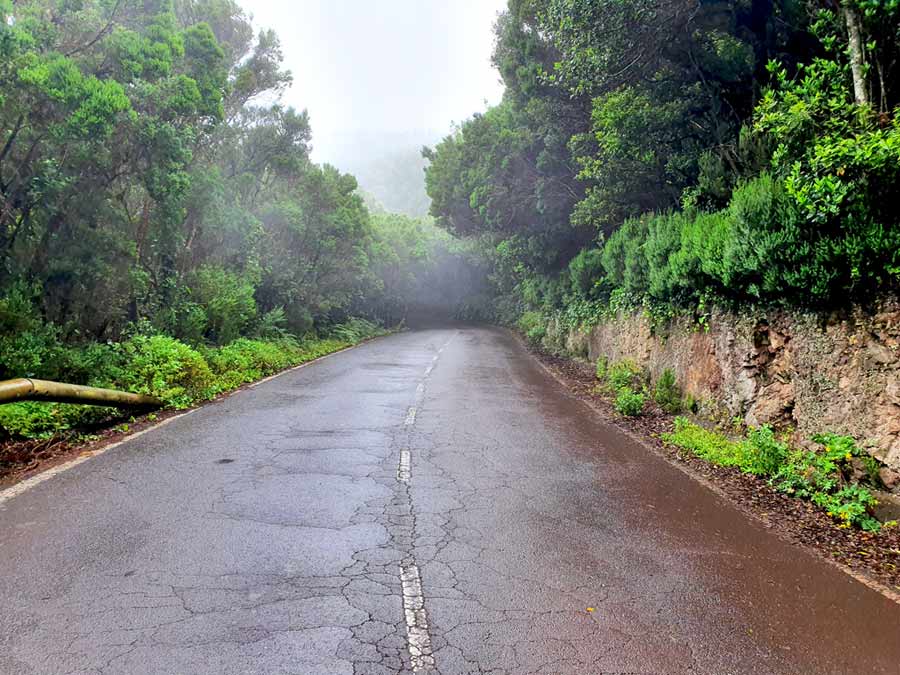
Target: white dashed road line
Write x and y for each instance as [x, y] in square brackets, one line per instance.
[403, 470]
[418, 636]
[410, 416]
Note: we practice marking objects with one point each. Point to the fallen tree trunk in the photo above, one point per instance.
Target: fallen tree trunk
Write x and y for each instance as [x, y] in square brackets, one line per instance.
[26, 389]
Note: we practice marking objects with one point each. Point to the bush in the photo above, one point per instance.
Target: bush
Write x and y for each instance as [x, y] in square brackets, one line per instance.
[32, 419]
[28, 347]
[763, 454]
[354, 330]
[625, 374]
[629, 403]
[623, 257]
[272, 325]
[819, 477]
[667, 393]
[586, 274]
[227, 300]
[164, 367]
[534, 326]
[602, 367]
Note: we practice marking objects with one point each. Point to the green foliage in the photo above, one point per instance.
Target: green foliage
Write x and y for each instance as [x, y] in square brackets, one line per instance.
[602, 367]
[585, 272]
[765, 454]
[30, 419]
[625, 374]
[667, 393]
[164, 367]
[227, 301]
[534, 326]
[354, 330]
[708, 445]
[148, 172]
[702, 173]
[629, 403]
[820, 477]
[760, 453]
[171, 370]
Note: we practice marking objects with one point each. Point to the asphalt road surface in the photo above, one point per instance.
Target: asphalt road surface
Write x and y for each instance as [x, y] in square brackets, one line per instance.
[428, 502]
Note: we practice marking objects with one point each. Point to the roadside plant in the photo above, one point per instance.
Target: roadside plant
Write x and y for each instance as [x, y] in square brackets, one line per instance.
[533, 325]
[820, 477]
[629, 403]
[602, 367]
[624, 374]
[667, 393]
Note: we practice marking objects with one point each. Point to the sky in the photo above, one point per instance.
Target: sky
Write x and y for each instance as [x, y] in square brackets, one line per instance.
[380, 73]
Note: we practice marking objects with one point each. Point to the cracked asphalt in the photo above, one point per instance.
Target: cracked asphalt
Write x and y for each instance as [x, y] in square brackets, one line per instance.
[266, 533]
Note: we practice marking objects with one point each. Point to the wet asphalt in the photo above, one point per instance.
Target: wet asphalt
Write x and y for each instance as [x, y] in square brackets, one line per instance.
[266, 533]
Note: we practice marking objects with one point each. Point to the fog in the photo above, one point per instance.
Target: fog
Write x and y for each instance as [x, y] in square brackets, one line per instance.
[381, 78]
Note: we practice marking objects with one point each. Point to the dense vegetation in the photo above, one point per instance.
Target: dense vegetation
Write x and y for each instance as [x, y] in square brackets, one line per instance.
[669, 154]
[157, 201]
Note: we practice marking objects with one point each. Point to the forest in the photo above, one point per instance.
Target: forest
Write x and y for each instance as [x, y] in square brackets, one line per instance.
[670, 155]
[162, 227]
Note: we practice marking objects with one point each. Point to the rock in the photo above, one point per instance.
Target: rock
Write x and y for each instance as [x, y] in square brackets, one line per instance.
[773, 405]
[890, 478]
[880, 353]
[891, 456]
[888, 507]
[892, 391]
[858, 470]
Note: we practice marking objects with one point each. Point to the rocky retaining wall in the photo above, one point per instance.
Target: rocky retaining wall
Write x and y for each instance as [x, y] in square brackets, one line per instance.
[808, 372]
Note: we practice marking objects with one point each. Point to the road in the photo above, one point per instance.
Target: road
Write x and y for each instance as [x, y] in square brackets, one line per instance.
[428, 502]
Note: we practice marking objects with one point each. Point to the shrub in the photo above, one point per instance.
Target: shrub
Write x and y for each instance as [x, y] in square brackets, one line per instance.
[624, 374]
[586, 274]
[602, 367]
[272, 325]
[667, 393]
[819, 477]
[534, 326]
[32, 419]
[226, 299]
[28, 347]
[629, 403]
[814, 476]
[623, 256]
[354, 330]
[162, 366]
[763, 454]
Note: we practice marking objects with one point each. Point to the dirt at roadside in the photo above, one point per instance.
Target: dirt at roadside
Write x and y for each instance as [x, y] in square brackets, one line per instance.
[875, 557]
[21, 459]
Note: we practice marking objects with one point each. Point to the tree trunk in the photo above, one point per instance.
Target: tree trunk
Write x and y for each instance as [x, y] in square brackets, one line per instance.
[857, 55]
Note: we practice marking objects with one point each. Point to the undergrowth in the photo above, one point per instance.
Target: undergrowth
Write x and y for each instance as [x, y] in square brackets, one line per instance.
[820, 476]
[177, 373]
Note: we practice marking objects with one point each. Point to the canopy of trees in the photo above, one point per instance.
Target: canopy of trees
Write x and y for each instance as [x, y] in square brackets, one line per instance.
[150, 177]
[679, 151]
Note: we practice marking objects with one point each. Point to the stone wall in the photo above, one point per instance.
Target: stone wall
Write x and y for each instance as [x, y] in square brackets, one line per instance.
[808, 372]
